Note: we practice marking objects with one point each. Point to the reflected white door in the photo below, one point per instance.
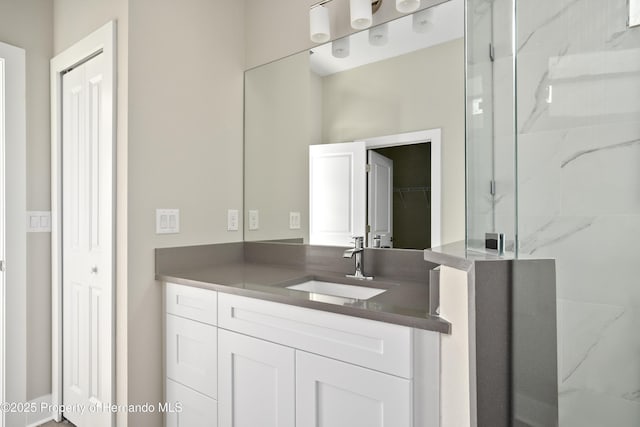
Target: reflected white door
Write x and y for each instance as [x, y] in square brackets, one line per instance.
[380, 200]
[337, 193]
[87, 244]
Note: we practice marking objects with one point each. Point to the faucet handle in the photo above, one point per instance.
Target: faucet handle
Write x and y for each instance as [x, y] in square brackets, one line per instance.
[358, 241]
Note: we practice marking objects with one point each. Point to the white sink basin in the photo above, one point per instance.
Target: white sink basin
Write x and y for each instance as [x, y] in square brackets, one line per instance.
[338, 289]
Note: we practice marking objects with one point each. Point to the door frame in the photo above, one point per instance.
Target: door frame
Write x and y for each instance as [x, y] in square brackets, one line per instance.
[434, 137]
[13, 299]
[101, 41]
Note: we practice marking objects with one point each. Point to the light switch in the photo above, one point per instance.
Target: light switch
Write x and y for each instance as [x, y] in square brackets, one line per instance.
[167, 221]
[232, 220]
[294, 220]
[38, 221]
[254, 222]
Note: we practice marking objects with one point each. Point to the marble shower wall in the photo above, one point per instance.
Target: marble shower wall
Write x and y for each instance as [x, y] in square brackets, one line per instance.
[578, 141]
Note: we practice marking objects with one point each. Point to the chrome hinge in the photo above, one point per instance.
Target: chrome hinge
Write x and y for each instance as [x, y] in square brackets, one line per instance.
[492, 187]
[368, 168]
[1, 265]
[492, 52]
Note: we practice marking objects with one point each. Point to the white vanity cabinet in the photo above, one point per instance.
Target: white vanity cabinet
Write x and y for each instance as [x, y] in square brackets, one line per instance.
[257, 382]
[285, 366]
[191, 354]
[330, 393]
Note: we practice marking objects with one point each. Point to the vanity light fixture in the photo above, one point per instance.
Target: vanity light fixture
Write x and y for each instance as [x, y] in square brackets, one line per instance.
[361, 17]
[319, 24]
[407, 6]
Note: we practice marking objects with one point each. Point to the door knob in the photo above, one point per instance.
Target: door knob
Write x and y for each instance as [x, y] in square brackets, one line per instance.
[94, 269]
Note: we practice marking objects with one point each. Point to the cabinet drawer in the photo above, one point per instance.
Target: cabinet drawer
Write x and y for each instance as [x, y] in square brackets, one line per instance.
[192, 303]
[192, 355]
[330, 393]
[376, 345]
[189, 408]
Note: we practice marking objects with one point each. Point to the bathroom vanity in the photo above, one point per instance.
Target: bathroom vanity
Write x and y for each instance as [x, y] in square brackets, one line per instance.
[251, 343]
[268, 334]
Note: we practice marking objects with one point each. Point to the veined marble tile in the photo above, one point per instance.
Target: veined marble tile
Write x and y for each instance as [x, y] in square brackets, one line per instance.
[570, 32]
[603, 181]
[596, 258]
[581, 408]
[581, 329]
[611, 363]
[588, 171]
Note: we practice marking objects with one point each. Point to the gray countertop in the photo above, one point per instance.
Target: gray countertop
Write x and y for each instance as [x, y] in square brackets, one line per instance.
[404, 303]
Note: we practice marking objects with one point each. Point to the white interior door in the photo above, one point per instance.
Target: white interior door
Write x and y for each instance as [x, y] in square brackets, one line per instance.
[337, 193]
[380, 200]
[87, 244]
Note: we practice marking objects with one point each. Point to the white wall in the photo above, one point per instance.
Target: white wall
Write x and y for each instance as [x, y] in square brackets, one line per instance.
[186, 64]
[455, 408]
[28, 24]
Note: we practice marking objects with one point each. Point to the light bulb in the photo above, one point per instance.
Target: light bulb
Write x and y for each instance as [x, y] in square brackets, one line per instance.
[361, 15]
[407, 6]
[422, 20]
[379, 35]
[340, 48]
[319, 26]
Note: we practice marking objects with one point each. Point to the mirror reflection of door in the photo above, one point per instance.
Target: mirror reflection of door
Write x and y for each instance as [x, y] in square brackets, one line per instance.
[337, 193]
[394, 198]
[379, 201]
[411, 201]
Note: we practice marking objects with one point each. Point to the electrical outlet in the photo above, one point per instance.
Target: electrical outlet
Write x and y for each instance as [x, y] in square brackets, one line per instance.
[167, 221]
[294, 220]
[232, 220]
[254, 222]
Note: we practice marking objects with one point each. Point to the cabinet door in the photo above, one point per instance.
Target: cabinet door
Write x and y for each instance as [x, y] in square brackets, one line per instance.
[188, 408]
[192, 354]
[330, 393]
[256, 382]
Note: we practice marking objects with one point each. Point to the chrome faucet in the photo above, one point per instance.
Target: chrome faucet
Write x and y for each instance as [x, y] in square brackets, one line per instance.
[356, 252]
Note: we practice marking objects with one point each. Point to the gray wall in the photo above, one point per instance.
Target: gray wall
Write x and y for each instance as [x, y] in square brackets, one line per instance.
[28, 24]
[186, 64]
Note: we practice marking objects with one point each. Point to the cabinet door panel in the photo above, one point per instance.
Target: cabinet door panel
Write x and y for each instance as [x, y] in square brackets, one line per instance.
[189, 408]
[330, 393]
[256, 382]
[191, 351]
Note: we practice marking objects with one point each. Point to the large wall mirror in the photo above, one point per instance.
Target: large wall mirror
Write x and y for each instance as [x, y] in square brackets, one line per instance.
[395, 92]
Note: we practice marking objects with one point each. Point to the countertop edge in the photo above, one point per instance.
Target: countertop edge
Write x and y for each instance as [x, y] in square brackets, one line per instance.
[431, 323]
